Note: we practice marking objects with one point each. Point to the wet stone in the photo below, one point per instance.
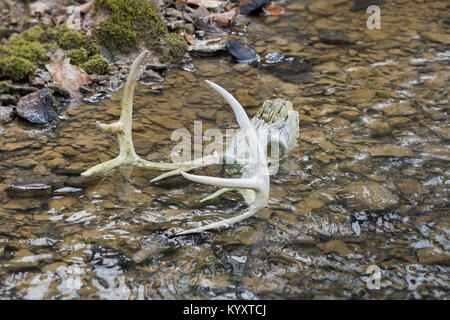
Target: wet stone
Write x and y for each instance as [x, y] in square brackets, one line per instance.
[336, 36]
[364, 4]
[379, 127]
[335, 246]
[37, 107]
[30, 186]
[369, 195]
[242, 51]
[433, 256]
[289, 69]
[6, 114]
[8, 99]
[251, 6]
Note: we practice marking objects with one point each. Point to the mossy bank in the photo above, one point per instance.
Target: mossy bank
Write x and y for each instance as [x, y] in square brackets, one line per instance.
[127, 26]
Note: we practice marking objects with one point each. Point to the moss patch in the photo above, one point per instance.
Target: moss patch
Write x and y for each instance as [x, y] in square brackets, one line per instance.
[71, 39]
[77, 56]
[97, 64]
[175, 47]
[33, 51]
[132, 23]
[16, 68]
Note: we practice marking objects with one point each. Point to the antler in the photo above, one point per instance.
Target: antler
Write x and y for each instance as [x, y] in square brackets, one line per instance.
[259, 180]
[122, 128]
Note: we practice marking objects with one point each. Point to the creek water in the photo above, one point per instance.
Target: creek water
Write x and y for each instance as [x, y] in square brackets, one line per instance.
[359, 209]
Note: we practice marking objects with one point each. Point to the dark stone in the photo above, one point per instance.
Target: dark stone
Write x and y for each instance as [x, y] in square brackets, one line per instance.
[242, 51]
[208, 29]
[8, 99]
[251, 6]
[290, 69]
[30, 186]
[7, 87]
[37, 107]
[364, 4]
[59, 93]
[334, 36]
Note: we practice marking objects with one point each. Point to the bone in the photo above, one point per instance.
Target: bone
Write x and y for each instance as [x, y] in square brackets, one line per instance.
[122, 128]
[259, 181]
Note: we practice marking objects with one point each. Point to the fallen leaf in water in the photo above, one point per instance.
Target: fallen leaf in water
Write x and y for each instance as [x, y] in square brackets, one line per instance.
[273, 10]
[204, 3]
[224, 19]
[68, 76]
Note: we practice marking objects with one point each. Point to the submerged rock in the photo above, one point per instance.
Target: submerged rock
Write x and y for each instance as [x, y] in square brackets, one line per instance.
[289, 69]
[369, 195]
[251, 6]
[37, 107]
[433, 256]
[242, 51]
[334, 36]
[364, 4]
[30, 186]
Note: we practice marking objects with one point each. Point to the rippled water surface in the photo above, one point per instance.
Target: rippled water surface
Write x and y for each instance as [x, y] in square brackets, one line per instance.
[366, 185]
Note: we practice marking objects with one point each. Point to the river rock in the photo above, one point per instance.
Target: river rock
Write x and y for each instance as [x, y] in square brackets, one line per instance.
[250, 6]
[335, 246]
[369, 195]
[37, 107]
[289, 69]
[6, 114]
[410, 188]
[7, 99]
[242, 51]
[322, 8]
[29, 186]
[364, 4]
[336, 36]
[433, 256]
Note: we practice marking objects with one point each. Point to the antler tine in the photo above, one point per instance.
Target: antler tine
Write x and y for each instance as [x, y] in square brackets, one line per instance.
[123, 128]
[258, 182]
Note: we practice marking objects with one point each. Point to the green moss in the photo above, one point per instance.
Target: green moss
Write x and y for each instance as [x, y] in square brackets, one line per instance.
[176, 47]
[5, 87]
[77, 56]
[97, 64]
[33, 34]
[16, 68]
[71, 39]
[33, 51]
[131, 22]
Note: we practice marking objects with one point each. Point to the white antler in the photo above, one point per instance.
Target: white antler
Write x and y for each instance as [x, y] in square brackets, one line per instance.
[122, 128]
[259, 181]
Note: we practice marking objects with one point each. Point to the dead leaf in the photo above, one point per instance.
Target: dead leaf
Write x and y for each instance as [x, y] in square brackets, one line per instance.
[204, 3]
[68, 76]
[273, 10]
[223, 19]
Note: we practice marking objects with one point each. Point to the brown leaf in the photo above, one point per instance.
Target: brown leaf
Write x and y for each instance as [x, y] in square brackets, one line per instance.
[224, 19]
[204, 3]
[273, 10]
[68, 76]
